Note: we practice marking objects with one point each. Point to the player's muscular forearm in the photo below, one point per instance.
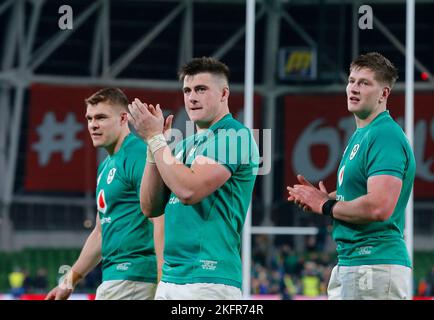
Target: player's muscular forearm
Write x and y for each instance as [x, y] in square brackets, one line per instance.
[192, 184]
[152, 191]
[357, 211]
[376, 205]
[90, 255]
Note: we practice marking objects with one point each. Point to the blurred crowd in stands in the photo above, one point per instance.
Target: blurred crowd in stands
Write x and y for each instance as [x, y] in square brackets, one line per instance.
[285, 273]
[22, 282]
[425, 286]
[277, 270]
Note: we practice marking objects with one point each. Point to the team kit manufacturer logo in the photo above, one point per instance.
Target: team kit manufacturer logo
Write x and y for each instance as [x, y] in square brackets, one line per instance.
[363, 251]
[210, 265]
[123, 266]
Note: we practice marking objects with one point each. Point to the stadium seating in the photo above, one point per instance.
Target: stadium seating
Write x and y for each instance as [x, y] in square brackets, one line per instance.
[30, 260]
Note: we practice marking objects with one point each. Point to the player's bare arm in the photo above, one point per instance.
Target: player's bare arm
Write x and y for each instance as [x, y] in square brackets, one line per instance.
[376, 205]
[192, 184]
[153, 191]
[89, 257]
[159, 242]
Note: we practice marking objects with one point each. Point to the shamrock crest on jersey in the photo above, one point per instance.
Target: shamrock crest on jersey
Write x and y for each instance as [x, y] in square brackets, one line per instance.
[111, 175]
[354, 151]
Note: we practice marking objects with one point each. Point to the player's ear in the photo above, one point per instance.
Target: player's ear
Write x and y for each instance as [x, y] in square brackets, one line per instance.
[124, 117]
[385, 93]
[225, 93]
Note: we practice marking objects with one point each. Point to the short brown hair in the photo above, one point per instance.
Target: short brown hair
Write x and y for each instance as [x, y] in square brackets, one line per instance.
[113, 96]
[204, 64]
[384, 70]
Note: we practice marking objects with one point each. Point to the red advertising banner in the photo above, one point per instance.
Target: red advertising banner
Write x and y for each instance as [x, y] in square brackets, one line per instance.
[318, 128]
[60, 156]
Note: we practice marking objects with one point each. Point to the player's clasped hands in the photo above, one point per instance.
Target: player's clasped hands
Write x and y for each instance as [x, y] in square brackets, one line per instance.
[307, 196]
[147, 120]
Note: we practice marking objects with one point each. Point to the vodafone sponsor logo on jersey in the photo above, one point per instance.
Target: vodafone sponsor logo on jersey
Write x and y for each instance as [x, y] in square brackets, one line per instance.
[341, 175]
[100, 202]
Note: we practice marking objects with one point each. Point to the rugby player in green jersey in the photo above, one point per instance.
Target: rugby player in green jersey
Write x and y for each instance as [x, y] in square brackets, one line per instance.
[374, 182]
[210, 176]
[123, 237]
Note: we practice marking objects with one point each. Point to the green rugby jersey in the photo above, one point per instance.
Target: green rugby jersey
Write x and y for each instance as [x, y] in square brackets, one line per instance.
[127, 235]
[380, 148]
[202, 241]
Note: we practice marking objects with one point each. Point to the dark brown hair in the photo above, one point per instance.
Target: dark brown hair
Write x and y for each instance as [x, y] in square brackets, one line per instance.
[384, 70]
[112, 96]
[204, 64]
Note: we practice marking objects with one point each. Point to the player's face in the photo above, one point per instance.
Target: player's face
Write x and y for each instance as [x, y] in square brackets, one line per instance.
[104, 124]
[364, 92]
[204, 97]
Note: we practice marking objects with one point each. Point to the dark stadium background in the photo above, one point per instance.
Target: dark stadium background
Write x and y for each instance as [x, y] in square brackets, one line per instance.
[47, 205]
